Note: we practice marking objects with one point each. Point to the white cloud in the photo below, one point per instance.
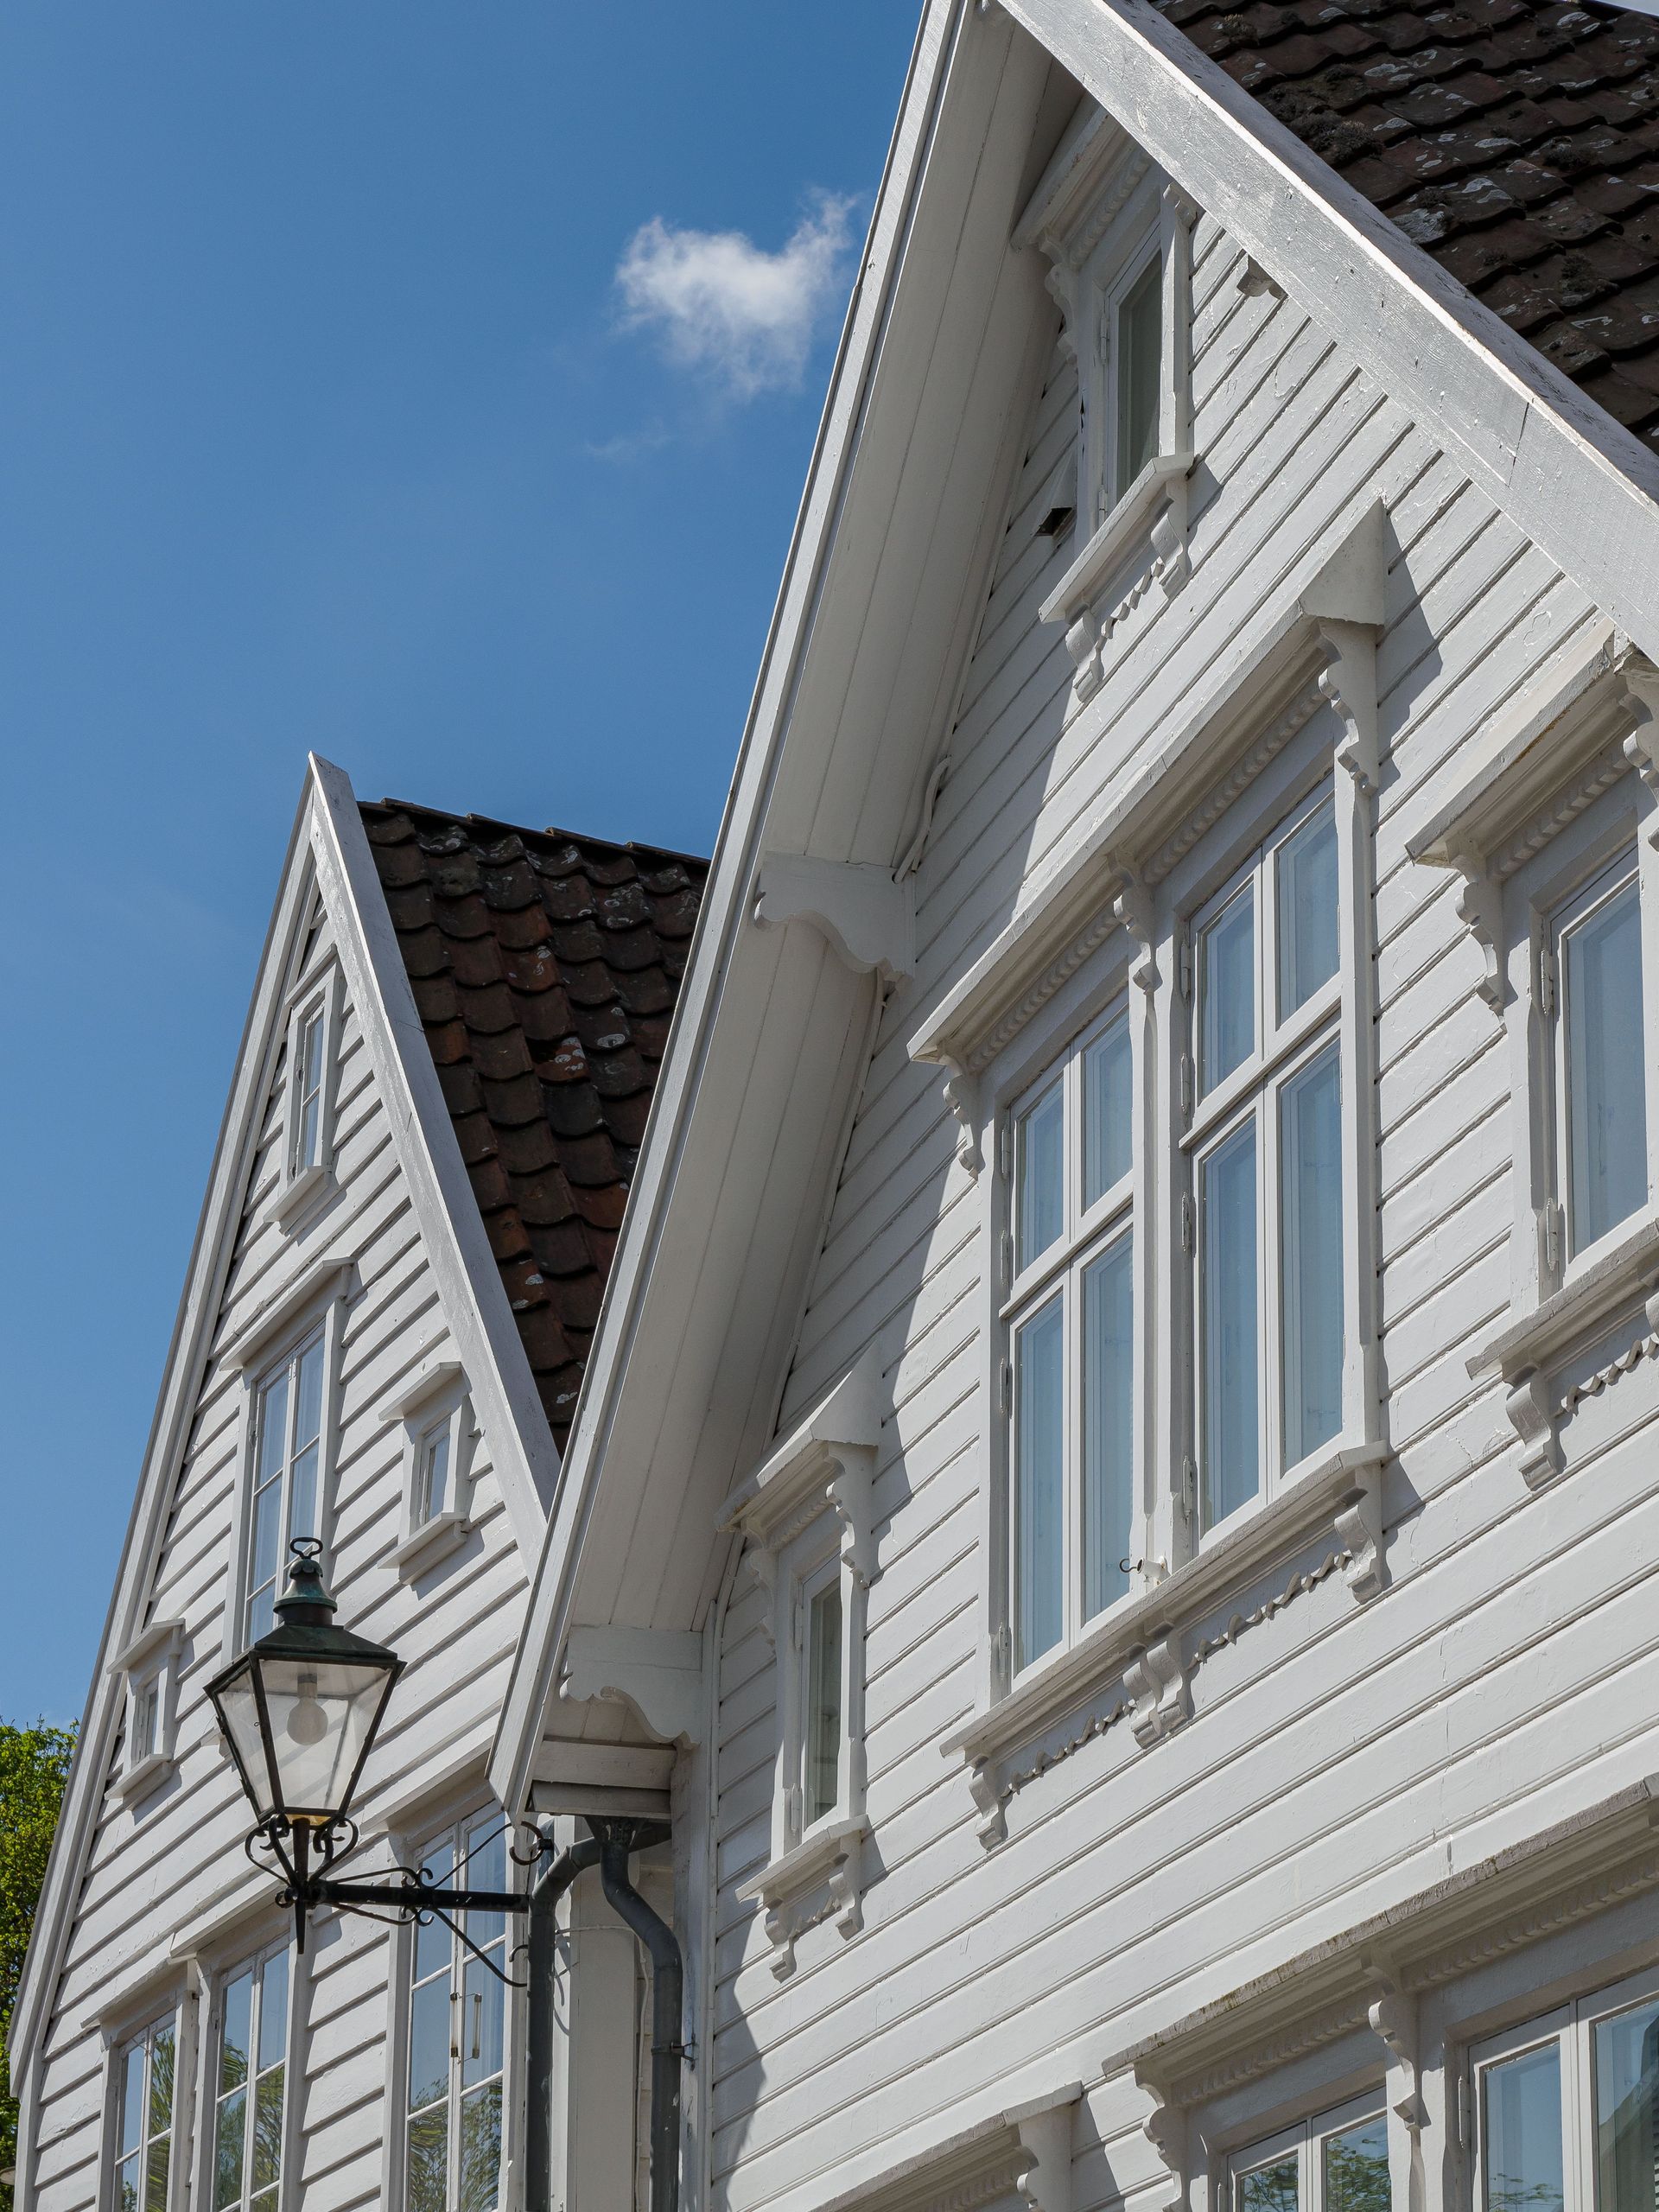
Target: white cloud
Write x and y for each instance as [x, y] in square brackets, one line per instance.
[721, 304]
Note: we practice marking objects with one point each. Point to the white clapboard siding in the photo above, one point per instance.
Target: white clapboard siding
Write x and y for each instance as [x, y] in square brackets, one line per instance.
[157, 1869]
[1329, 1750]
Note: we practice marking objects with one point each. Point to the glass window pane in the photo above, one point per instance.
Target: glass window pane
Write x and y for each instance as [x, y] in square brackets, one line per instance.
[303, 1495]
[428, 2042]
[823, 1702]
[1310, 1195]
[229, 2136]
[273, 2009]
[308, 1419]
[1107, 1112]
[1108, 1425]
[233, 2041]
[1270, 2189]
[482, 2010]
[427, 2179]
[434, 1941]
[267, 2129]
[1227, 989]
[481, 2150]
[1523, 2133]
[1227, 1293]
[1306, 879]
[1627, 2111]
[1139, 352]
[267, 1531]
[262, 1613]
[1606, 1093]
[487, 1869]
[1040, 1388]
[1041, 1195]
[143, 1722]
[161, 2080]
[156, 2177]
[273, 1425]
[126, 2185]
[1355, 2169]
[132, 2097]
[434, 1474]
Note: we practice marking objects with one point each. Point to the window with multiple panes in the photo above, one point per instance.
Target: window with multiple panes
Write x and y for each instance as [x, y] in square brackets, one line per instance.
[457, 2034]
[305, 1147]
[1070, 1314]
[145, 2089]
[1264, 1144]
[1569, 2109]
[1591, 994]
[1335, 2163]
[287, 1447]
[1130, 337]
[249, 2086]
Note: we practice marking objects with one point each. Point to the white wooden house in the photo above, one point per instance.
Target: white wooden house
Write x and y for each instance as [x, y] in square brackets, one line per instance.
[1111, 1500]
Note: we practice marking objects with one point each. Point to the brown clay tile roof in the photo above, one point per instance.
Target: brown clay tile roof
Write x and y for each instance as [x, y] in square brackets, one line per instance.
[545, 968]
[1518, 143]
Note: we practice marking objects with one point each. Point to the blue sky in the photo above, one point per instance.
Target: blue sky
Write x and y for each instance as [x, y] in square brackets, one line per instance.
[428, 384]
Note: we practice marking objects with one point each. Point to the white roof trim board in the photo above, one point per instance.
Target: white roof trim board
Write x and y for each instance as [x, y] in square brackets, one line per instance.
[1574, 479]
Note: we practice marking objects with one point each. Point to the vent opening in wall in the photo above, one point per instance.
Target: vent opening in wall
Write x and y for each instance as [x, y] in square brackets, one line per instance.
[1056, 522]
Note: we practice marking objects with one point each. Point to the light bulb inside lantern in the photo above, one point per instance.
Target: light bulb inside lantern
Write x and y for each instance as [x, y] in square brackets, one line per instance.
[307, 1721]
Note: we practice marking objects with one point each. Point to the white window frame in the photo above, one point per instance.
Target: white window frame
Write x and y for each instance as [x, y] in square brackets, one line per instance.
[314, 1300]
[1571, 2027]
[1282, 1050]
[149, 1667]
[436, 1403]
[209, 2094]
[1090, 1230]
[302, 1184]
[171, 2017]
[812, 1564]
[452, 1832]
[1304, 2141]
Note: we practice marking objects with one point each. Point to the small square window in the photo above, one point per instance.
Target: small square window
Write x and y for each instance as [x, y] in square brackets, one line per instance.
[150, 1666]
[439, 1437]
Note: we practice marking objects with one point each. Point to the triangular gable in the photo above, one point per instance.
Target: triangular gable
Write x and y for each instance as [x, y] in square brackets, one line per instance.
[847, 783]
[327, 858]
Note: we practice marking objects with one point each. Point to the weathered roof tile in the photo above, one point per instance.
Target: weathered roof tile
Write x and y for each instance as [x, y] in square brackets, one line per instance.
[546, 967]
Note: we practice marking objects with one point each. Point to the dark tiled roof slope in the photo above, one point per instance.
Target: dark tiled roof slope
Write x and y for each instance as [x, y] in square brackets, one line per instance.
[1518, 143]
[545, 968]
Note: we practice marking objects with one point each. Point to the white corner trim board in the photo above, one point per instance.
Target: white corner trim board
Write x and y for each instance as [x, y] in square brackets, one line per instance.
[867, 914]
[655, 1672]
[1023, 2150]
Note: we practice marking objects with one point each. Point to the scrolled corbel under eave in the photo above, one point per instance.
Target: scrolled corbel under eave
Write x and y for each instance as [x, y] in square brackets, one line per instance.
[1642, 745]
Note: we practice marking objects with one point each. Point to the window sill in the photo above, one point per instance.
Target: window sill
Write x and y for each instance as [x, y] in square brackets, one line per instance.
[1141, 1638]
[1517, 1353]
[139, 1782]
[434, 1540]
[309, 1188]
[827, 1859]
[1153, 508]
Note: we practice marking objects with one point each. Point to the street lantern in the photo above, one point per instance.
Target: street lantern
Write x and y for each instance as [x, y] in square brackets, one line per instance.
[300, 1708]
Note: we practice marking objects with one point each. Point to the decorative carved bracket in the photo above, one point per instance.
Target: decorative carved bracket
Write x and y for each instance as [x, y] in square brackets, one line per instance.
[1165, 2128]
[1533, 1419]
[1642, 745]
[1393, 2017]
[657, 1672]
[1156, 1679]
[1348, 681]
[1044, 2185]
[867, 916]
[827, 1866]
[1360, 1526]
[1132, 909]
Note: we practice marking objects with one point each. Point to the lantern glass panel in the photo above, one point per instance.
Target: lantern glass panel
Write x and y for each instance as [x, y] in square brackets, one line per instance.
[322, 1713]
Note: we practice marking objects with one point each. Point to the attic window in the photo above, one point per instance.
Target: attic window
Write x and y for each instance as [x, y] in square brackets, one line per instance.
[308, 1086]
[439, 1438]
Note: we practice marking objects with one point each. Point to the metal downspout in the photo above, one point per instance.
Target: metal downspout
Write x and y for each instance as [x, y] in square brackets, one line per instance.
[542, 2038]
[617, 1840]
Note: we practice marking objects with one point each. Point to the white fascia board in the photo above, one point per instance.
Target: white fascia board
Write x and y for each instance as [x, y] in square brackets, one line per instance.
[473, 1297]
[725, 910]
[188, 1354]
[1583, 487]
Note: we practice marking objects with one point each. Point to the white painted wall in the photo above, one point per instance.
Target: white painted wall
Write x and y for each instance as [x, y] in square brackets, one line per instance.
[1342, 1756]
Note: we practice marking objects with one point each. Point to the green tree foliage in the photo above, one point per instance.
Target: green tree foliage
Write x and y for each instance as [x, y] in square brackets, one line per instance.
[34, 1768]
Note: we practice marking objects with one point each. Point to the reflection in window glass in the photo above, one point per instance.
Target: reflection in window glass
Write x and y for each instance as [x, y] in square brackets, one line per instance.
[1627, 2111]
[1306, 916]
[1523, 2133]
[823, 1703]
[1139, 354]
[1355, 2169]
[248, 2116]
[1606, 1095]
[432, 1491]
[143, 2143]
[1227, 984]
[1108, 1425]
[1310, 1187]
[1041, 1204]
[1107, 1112]
[285, 1505]
[308, 1099]
[1270, 2189]
[1231, 1447]
[457, 2036]
[1039, 1385]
